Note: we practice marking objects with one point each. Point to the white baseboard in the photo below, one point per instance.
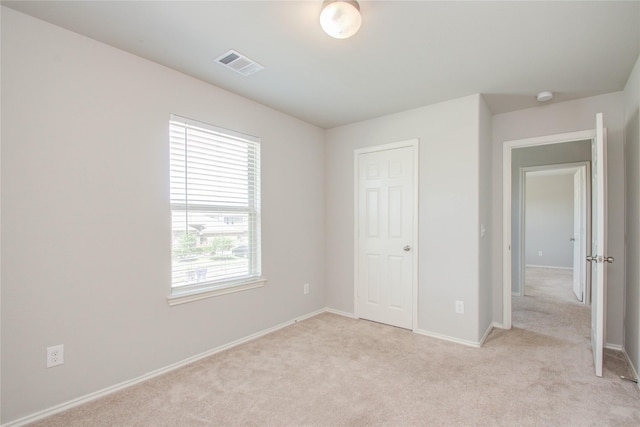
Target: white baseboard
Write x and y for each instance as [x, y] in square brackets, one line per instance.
[341, 313]
[485, 335]
[296, 320]
[432, 334]
[615, 347]
[498, 325]
[448, 338]
[461, 341]
[429, 334]
[126, 384]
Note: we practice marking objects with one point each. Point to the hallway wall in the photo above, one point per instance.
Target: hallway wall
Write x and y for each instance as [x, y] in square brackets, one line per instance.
[549, 220]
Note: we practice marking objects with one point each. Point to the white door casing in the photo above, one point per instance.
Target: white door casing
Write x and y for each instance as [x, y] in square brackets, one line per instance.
[386, 238]
[598, 257]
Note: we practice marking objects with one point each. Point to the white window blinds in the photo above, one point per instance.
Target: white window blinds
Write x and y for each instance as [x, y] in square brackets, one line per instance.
[215, 205]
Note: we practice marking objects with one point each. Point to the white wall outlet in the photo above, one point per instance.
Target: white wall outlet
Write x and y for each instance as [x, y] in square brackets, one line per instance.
[306, 288]
[55, 355]
[539, 253]
[460, 307]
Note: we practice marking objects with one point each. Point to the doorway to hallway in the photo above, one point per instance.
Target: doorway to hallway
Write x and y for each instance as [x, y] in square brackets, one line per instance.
[555, 218]
[598, 258]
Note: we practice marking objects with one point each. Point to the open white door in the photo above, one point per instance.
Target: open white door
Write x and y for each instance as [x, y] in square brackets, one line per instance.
[598, 256]
[385, 246]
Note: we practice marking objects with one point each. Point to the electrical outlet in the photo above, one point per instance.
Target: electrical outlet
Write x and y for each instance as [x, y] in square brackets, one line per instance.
[55, 355]
[306, 288]
[460, 307]
[539, 253]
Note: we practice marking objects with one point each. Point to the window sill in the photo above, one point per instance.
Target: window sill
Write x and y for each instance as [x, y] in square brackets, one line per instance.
[195, 295]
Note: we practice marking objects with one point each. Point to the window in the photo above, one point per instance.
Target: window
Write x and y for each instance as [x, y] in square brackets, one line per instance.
[215, 209]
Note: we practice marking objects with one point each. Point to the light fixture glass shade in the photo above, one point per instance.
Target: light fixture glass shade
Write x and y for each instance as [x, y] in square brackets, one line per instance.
[340, 18]
[545, 96]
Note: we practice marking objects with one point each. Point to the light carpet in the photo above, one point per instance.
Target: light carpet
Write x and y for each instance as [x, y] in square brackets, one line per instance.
[334, 371]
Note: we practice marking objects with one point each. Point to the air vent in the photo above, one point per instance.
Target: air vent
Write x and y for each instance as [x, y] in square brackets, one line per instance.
[239, 63]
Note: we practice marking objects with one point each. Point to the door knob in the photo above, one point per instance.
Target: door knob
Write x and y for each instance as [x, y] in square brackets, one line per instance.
[572, 239]
[597, 258]
[407, 248]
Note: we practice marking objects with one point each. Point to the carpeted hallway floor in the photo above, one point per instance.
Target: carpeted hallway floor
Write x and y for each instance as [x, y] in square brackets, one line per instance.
[334, 371]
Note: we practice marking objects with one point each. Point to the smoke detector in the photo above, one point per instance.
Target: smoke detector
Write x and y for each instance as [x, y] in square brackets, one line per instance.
[239, 63]
[545, 96]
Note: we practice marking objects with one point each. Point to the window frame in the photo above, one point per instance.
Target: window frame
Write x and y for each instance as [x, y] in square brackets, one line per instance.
[254, 279]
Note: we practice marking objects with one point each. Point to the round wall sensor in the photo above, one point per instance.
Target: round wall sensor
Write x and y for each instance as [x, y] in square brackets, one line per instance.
[545, 96]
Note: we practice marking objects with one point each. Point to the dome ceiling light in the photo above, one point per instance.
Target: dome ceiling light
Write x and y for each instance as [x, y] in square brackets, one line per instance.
[545, 96]
[340, 18]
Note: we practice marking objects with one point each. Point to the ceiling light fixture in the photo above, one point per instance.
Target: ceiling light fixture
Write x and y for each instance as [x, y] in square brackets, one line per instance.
[340, 18]
[545, 96]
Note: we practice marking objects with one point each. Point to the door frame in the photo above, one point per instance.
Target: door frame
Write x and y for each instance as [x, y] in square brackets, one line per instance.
[586, 235]
[415, 144]
[507, 147]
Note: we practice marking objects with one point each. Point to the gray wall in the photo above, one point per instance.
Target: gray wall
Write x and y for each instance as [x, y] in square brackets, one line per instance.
[632, 172]
[85, 246]
[553, 119]
[449, 210]
[554, 154]
[86, 217]
[548, 220]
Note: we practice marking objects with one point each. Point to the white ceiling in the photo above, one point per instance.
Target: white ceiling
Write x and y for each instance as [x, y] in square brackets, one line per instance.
[407, 54]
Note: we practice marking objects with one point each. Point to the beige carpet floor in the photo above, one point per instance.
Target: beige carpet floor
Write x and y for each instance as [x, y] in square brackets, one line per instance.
[334, 371]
